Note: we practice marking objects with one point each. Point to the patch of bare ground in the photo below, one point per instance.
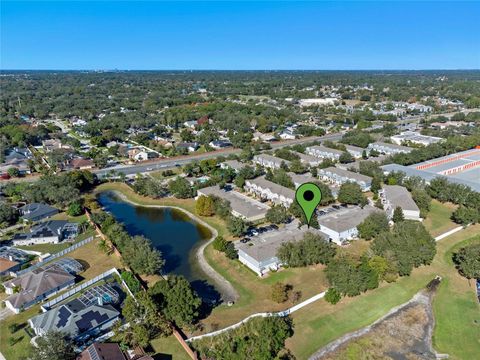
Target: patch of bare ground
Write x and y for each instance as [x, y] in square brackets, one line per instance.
[405, 333]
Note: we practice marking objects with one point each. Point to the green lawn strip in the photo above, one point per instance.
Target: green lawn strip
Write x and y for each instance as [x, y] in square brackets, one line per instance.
[438, 219]
[168, 348]
[313, 331]
[456, 332]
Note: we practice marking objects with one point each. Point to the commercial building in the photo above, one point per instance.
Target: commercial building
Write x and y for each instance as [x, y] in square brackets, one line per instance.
[323, 152]
[414, 138]
[339, 176]
[268, 190]
[269, 161]
[242, 206]
[260, 254]
[394, 196]
[341, 225]
[389, 149]
[459, 168]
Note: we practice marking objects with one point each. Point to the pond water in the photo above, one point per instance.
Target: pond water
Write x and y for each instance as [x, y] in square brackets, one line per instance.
[170, 230]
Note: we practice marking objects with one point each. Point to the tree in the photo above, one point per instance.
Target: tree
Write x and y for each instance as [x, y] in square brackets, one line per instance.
[346, 158]
[351, 193]
[75, 209]
[181, 188]
[8, 215]
[205, 206]
[277, 214]
[376, 185]
[220, 244]
[409, 244]
[139, 254]
[374, 224]
[465, 215]
[54, 346]
[237, 226]
[297, 167]
[332, 296]
[467, 260]
[398, 215]
[13, 172]
[145, 319]
[350, 277]
[279, 292]
[312, 249]
[423, 201]
[177, 300]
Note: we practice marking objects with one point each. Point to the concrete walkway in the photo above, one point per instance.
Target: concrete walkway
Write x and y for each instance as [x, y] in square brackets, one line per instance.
[448, 233]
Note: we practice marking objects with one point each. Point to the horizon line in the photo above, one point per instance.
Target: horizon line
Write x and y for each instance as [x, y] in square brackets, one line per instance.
[193, 70]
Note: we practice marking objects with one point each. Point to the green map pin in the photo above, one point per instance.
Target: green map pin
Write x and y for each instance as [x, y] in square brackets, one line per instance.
[308, 196]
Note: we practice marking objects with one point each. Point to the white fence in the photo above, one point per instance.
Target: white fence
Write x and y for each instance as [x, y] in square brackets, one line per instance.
[55, 256]
[48, 305]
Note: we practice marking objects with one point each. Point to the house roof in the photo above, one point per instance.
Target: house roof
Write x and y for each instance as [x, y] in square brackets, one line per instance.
[325, 149]
[345, 173]
[37, 211]
[234, 164]
[270, 158]
[274, 188]
[239, 203]
[399, 196]
[36, 283]
[74, 318]
[345, 219]
[6, 264]
[391, 146]
[45, 229]
[103, 351]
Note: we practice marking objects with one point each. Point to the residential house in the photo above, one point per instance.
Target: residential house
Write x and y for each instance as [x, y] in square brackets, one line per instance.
[241, 206]
[341, 225]
[80, 318]
[232, 164]
[138, 154]
[389, 149]
[258, 136]
[48, 232]
[268, 190]
[220, 144]
[339, 176]
[288, 134]
[11, 260]
[102, 351]
[188, 146]
[299, 179]
[17, 158]
[82, 164]
[40, 283]
[36, 211]
[394, 196]
[50, 145]
[269, 161]
[323, 152]
[190, 124]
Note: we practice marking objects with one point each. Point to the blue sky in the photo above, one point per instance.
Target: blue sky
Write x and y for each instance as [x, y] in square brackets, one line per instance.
[233, 35]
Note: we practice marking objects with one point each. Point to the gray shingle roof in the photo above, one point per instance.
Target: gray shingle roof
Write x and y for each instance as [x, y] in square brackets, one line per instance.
[399, 196]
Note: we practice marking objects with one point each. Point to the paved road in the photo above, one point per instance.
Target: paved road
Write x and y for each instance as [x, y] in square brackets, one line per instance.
[172, 162]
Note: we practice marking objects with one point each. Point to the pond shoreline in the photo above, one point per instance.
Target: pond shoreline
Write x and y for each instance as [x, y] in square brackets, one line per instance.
[224, 287]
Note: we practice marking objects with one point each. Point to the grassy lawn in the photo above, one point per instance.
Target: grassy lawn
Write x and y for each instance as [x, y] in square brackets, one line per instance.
[457, 314]
[321, 323]
[168, 349]
[21, 349]
[438, 219]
